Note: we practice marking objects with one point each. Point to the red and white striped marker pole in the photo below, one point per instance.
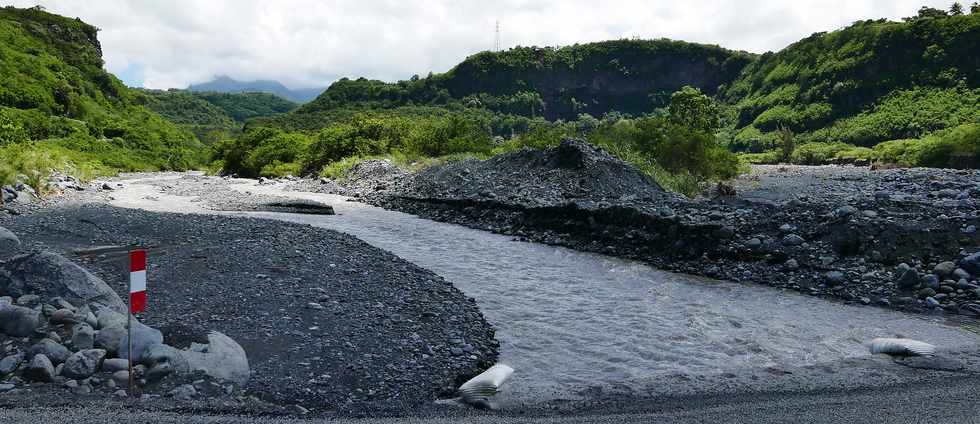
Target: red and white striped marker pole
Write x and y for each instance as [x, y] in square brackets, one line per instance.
[137, 298]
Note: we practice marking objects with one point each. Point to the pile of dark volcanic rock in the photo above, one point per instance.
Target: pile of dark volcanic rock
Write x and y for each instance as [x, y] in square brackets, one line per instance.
[846, 240]
[62, 326]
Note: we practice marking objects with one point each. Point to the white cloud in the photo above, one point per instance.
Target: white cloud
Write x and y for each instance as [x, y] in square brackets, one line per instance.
[312, 43]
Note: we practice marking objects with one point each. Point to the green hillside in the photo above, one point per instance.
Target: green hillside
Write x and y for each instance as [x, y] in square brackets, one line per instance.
[203, 112]
[60, 108]
[871, 82]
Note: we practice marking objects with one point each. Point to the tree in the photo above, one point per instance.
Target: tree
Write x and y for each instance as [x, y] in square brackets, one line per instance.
[931, 12]
[787, 143]
[956, 9]
[975, 8]
[690, 108]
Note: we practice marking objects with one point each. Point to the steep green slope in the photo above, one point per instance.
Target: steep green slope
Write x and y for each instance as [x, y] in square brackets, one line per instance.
[630, 76]
[58, 105]
[870, 82]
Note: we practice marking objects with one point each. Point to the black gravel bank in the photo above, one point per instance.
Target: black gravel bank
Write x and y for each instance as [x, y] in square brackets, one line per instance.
[326, 320]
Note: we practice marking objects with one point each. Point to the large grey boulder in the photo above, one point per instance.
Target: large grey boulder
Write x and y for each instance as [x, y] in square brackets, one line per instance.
[50, 275]
[10, 363]
[40, 369]
[222, 359]
[143, 338]
[9, 243]
[54, 351]
[109, 338]
[83, 364]
[18, 321]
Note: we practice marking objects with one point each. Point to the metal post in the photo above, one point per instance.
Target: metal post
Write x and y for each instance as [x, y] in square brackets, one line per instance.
[130, 338]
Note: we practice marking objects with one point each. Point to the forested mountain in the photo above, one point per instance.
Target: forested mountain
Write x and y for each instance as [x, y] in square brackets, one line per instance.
[203, 112]
[870, 82]
[58, 104]
[225, 84]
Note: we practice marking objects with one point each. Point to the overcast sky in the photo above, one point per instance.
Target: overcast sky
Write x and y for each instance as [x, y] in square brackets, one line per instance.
[305, 43]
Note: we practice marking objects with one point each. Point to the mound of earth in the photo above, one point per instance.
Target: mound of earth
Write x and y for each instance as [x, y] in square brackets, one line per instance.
[573, 172]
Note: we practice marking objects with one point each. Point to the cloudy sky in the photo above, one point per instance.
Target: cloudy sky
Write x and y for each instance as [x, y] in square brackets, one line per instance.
[306, 43]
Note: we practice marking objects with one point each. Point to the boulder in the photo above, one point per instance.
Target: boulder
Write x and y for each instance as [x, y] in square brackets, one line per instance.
[162, 360]
[971, 264]
[18, 321]
[115, 364]
[944, 269]
[184, 393]
[83, 363]
[908, 278]
[55, 352]
[222, 359]
[50, 275]
[82, 337]
[109, 338]
[109, 318]
[9, 243]
[143, 338]
[10, 363]
[121, 378]
[40, 369]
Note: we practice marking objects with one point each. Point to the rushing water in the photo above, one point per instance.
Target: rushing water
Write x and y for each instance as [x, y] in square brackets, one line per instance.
[567, 320]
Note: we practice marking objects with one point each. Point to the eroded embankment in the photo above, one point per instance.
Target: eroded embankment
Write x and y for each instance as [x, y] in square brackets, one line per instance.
[826, 239]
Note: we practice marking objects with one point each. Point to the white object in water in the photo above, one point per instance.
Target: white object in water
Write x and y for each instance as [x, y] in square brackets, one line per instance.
[478, 390]
[902, 347]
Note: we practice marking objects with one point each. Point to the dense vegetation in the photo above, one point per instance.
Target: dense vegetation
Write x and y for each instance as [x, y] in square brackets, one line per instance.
[678, 148]
[866, 84]
[205, 112]
[60, 109]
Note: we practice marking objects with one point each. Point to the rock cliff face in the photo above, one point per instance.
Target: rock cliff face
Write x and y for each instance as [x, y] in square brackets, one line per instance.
[630, 76]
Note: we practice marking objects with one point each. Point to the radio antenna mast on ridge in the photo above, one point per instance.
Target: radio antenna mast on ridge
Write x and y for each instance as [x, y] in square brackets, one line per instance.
[496, 40]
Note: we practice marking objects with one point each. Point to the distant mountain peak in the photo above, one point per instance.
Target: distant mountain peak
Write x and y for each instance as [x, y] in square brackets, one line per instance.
[227, 84]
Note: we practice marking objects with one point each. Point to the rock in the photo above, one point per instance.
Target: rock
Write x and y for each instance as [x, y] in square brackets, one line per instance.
[49, 275]
[792, 265]
[71, 384]
[834, 278]
[110, 339]
[926, 292]
[40, 369]
[121, 378]
[961, 274]
[184, 393]
[971, 264]
[10, 363]
[6, 387]
[115, 364]
[787, 228]
[932, 302]
[82, 337]
[222, 358]
[120, 393]
[931, 281]
[18, 321]
[908, 278]
[845, 211]
[109, 318]
[28, 300]
[298, 410]
[753, 243]
[793, 240]
[65, 316]
[163, 360]
[944, 269]
[84, 363]
[143, 338]
[9, 243]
